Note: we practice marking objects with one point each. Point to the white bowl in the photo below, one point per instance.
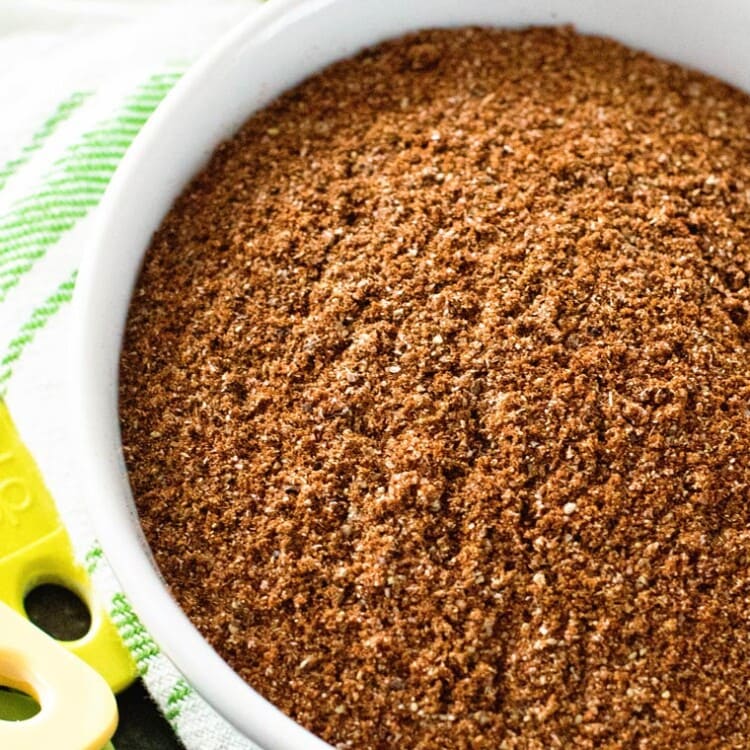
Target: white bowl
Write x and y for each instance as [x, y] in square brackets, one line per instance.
[276, 47]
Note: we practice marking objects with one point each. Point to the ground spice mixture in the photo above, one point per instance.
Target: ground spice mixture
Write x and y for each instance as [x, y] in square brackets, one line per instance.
[435, 398]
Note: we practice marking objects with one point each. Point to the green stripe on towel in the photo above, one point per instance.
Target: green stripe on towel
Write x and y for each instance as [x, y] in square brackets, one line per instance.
[62, 112]
[75, 185]
[38, 319]
[176, 697]
[136, 637]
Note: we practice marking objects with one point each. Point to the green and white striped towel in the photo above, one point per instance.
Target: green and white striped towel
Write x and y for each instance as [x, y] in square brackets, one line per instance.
[78, 79]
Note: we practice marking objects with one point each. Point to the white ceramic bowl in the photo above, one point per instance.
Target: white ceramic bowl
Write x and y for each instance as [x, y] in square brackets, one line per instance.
[278, 46]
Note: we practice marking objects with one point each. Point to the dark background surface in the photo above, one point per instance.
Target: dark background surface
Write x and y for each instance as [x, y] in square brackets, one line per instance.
[142, 727]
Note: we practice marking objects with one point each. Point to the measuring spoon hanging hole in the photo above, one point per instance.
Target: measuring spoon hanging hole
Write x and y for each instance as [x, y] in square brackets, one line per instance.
[58, 611]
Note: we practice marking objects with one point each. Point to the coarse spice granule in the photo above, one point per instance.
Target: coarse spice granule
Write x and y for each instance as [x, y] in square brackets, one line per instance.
[435, 398]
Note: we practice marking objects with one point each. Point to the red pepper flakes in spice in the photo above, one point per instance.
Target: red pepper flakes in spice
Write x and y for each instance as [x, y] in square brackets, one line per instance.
[435, 398]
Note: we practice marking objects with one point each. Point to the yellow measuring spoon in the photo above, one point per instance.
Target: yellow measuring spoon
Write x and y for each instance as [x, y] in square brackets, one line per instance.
[35, 549]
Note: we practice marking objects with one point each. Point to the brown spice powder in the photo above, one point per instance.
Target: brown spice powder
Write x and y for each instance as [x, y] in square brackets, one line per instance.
[435, 398]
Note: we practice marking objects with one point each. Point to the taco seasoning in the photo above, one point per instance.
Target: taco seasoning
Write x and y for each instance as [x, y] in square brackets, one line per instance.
[435, 398]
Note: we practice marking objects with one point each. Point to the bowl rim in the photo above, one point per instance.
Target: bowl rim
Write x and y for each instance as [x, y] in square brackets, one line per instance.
[177, 637]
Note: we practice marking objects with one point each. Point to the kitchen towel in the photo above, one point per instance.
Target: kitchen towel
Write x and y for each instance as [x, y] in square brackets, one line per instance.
[78, 79]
